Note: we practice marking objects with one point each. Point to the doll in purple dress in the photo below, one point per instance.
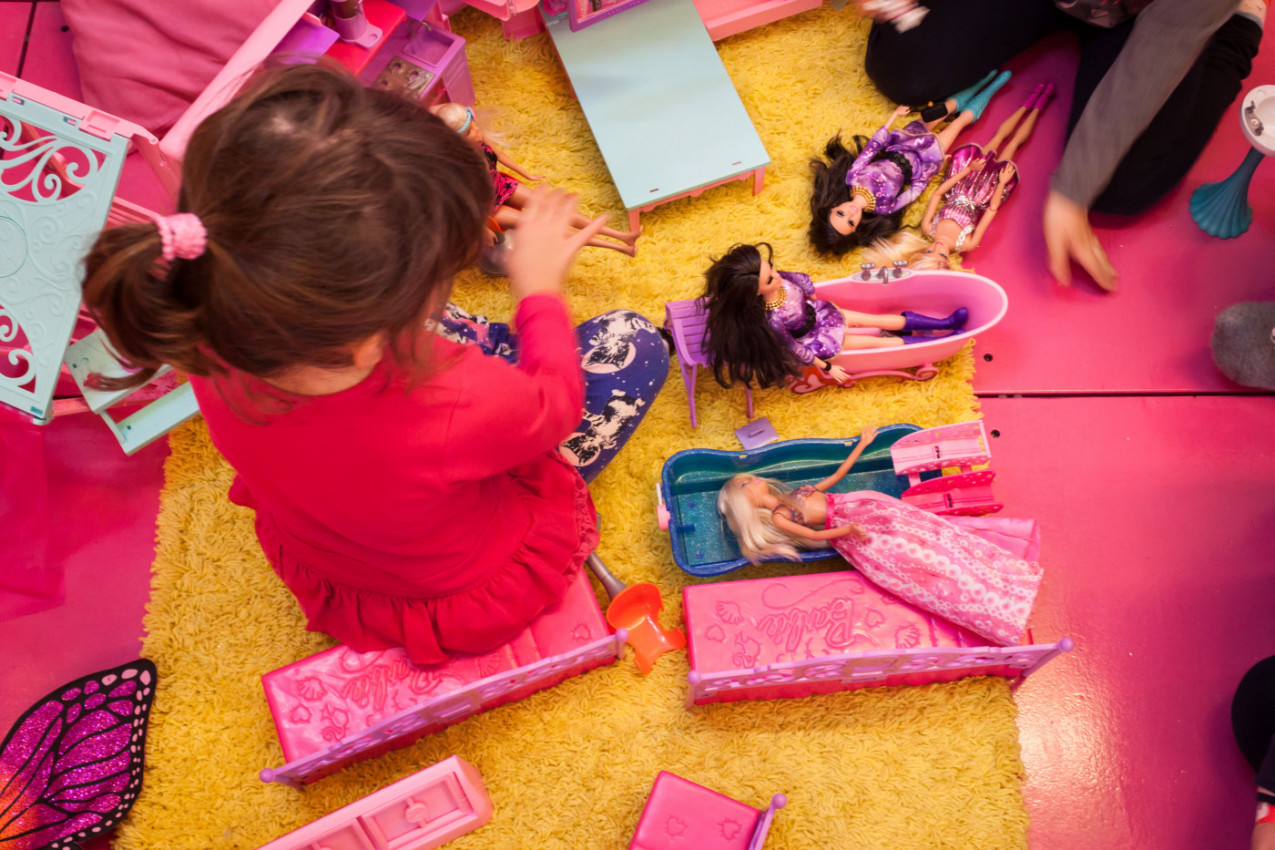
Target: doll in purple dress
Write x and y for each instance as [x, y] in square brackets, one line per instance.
[859, 194]
[959, 212]
[511, 195]
[924, 559]
[767, 326]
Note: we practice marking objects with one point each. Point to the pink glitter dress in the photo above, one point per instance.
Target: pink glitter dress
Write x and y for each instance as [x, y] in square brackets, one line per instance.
[932, 563]
[968, 199]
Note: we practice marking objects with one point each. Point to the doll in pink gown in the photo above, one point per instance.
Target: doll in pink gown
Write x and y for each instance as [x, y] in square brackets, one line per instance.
[920, 557]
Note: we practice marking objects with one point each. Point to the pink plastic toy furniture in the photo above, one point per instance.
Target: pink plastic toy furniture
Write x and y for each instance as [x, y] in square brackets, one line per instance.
[416, 37]
[339, 706]
[680, 815]
[685, 320]
[795, 636]
[933, 292]
[635, 610]
[423, 811]
[962, 445]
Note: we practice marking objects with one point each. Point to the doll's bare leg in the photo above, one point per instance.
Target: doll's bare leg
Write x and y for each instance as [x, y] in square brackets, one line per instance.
[621, 247]
[884, 321]
[949, 133]
[854, 342]
[1006, 127]
[1024, 130]
[628, 237]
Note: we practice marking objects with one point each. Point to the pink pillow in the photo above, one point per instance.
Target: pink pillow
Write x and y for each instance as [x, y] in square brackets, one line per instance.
[147, 60]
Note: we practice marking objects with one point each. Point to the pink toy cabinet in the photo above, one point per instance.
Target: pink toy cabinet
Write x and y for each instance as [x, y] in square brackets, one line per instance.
[962, 445]
[680, 815]
[423, 811]
[794, 636]
[339, 706]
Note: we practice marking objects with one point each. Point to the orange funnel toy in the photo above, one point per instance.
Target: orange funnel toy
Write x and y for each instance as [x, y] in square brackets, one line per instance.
[637, 610]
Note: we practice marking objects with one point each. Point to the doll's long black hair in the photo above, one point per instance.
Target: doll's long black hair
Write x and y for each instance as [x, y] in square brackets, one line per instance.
[740, 343]
[830, 191]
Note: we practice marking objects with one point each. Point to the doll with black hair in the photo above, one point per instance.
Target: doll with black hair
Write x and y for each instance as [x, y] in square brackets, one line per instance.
[766, 325]
[860, 192]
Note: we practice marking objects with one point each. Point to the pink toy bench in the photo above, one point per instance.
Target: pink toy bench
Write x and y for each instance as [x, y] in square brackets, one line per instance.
[339, 706]
[423, 811]
[680, 815]
[795, 636]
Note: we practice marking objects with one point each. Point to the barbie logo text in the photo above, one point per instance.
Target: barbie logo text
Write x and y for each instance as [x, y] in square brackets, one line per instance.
[788, 628]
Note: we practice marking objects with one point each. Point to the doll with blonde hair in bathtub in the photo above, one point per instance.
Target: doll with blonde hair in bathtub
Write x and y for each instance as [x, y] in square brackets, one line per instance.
[924, 559]
[962, 208]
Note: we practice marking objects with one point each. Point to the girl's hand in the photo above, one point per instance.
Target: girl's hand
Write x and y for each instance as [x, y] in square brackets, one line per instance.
[546, 243]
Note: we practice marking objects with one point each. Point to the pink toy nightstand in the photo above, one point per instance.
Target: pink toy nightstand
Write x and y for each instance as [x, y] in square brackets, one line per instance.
[423, 811]
[338, 707]
[680, 815]
[961, 445]
[815, 634]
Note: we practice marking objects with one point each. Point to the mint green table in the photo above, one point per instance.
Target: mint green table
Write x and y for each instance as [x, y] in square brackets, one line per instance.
[661, 106]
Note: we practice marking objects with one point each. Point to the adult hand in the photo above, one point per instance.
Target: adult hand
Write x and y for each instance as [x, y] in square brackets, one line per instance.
[546, 243]
[1068, 237]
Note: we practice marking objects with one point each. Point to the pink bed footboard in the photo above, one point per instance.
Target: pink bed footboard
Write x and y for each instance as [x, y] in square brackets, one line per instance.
[795, 636]
[339, 706]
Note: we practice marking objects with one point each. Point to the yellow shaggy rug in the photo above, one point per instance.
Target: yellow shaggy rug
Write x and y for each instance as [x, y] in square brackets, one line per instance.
[571, 767]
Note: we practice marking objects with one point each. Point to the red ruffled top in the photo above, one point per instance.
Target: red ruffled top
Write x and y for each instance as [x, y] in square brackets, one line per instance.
[435, 515]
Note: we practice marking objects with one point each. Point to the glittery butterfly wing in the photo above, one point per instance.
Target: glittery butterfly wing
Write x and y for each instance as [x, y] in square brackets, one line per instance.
[71, 767]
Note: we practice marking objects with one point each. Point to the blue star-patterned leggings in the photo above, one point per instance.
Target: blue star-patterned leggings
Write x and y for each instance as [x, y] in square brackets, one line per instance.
[625, 363]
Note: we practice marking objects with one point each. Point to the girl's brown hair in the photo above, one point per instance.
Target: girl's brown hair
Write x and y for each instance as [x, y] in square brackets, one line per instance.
[334, 213]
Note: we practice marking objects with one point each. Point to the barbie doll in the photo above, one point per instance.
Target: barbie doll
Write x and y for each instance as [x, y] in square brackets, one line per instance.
[859, 195]
[511, 195]
[766, 325]
[959, 212]
[918, 556]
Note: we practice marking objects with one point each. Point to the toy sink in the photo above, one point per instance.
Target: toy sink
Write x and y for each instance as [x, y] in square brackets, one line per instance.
[704, 546]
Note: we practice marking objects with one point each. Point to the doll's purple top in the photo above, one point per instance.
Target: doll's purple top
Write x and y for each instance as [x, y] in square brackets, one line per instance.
[884, 178]
[970, 196]
[809, 327]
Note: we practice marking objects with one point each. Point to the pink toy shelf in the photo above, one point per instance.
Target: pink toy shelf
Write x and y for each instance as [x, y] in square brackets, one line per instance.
[932, 292]
[794, 636]
[423, 811]
[680, 815]
[339, 706]
[962, 445]
[406, 45]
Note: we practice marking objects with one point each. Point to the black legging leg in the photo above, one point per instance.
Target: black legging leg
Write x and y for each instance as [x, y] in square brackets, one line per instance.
[1176, 137]
[955, 46]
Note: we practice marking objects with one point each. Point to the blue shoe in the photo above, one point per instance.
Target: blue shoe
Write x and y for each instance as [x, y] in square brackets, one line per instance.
[979, 103]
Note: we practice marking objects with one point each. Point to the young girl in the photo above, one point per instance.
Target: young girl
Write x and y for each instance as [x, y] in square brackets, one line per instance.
[407, 488]
[920, 557]
[959, 212]
[511, 195]
[766, 325]
[859, 195]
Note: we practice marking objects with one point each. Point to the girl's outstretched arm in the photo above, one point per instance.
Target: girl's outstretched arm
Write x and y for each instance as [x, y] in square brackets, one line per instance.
[868, 435]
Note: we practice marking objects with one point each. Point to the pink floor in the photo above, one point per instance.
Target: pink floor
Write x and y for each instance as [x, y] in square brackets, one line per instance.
[1151, 497]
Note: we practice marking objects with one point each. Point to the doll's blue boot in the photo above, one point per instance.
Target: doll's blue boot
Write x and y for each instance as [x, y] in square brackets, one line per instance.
[917, 322]
[979, 102]
[964, 96]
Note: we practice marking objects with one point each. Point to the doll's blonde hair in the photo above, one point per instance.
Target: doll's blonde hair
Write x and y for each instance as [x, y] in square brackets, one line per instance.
[907, 246]
[754, 527]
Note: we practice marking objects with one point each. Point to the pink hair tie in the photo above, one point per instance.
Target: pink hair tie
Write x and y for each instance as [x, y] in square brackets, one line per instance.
[181, 235]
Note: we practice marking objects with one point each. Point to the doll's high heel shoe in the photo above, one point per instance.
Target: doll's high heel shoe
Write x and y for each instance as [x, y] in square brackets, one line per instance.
[1033, 95]
[918, 322]
[1042, 100]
